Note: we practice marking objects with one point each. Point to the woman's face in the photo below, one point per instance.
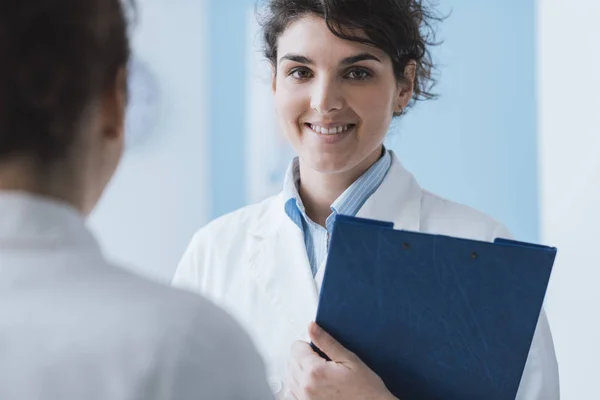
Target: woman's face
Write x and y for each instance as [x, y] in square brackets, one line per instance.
[335, 98]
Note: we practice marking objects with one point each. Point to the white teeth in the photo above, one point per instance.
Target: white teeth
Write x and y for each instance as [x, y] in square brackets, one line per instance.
[332, 131]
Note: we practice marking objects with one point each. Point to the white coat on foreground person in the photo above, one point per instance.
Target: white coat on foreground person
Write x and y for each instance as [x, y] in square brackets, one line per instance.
[74, 326]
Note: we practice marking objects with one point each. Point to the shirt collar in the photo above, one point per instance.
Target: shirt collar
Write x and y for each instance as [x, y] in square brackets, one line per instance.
[355, 196]
[349, 202]
[291, 183]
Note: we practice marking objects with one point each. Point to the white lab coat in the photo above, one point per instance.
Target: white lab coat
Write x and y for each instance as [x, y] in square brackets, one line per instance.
[75, 327]
[253, 262]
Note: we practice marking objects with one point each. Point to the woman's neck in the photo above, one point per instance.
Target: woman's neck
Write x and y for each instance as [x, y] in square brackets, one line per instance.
[22, 175]
[319, 191]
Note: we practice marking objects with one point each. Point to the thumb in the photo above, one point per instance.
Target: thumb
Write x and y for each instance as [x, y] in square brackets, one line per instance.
[328, 345]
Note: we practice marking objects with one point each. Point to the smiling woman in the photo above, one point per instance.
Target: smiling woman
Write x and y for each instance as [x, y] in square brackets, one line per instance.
[342, 70]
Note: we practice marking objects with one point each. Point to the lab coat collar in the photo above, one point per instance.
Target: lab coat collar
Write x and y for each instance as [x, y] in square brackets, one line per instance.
[27, 219]
[397, 200]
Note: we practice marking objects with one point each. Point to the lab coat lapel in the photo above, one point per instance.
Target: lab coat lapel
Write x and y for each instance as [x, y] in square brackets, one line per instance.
[280, 266]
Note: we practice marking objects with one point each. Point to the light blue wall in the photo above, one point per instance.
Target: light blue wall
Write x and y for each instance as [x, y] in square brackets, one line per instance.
[476, 144]
[226, 103]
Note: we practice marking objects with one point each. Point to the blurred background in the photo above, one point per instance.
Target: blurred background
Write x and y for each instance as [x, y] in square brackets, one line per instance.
[515, 133]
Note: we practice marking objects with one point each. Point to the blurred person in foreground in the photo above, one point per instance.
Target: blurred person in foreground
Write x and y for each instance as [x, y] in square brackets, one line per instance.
[73, 325]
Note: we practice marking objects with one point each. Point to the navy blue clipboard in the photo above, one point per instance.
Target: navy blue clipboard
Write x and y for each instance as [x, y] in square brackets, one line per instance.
[435, 317]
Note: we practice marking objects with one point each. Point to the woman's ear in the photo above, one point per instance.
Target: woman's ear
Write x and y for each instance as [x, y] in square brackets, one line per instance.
[273, 78]
[406, 87]
[114, 104]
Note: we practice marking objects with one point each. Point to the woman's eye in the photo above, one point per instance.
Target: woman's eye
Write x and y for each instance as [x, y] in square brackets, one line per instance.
[359, 75]
[300, 73]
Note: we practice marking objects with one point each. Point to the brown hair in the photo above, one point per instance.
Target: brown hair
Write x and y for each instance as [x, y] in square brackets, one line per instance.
[58, 56]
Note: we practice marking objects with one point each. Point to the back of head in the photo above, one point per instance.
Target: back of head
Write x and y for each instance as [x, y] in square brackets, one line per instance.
[58, 58]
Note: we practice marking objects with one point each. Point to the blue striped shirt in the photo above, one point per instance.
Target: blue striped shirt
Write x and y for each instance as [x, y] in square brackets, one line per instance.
[316, 237]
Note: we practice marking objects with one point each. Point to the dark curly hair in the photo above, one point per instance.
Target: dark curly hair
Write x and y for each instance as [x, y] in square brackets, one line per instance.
[403, 29]
[58, 56]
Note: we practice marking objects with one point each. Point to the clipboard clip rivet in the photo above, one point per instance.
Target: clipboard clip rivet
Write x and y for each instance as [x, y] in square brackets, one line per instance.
[474, 256]
[406, 246]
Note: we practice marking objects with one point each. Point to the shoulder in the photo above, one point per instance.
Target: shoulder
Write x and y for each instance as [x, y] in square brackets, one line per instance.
[210, 355]
[431, 213]
[149, 303]
[155, 313]
[200, 348]
[443, 216]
